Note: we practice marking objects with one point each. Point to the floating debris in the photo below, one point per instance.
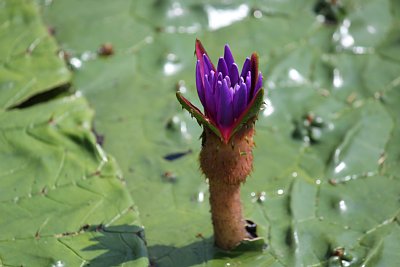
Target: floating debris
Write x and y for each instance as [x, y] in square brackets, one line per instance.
[51, 30]
[329, 11]
[340, 257]
[106, 50]
[309, 128]
[169, 176]
[259, 197]
[251, 228]
[200, 235]
[175, 156]
[99, 137]
[332, 181]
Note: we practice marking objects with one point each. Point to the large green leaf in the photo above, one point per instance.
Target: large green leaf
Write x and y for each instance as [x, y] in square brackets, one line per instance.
[29, 64]
[63, 200]
[61, 195]
[315, 187]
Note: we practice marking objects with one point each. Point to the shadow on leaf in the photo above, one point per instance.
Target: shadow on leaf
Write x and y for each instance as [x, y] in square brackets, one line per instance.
[195, 253]
[119, 244]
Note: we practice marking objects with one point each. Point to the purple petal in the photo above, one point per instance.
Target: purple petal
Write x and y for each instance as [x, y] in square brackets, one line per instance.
[239, 100]
[228, 81]
[234, 74]
[246, 67]
[228, 56]
[259, 83]
[199, 83]
[219, 77]
[207, 64]
[217, 94]
[209, 97]
[225, 107]
[212, 79]
[248, 86]
[222, 68]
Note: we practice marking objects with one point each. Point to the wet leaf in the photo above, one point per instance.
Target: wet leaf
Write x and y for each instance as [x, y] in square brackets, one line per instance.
[58, 187]
[346, 73]
[62, 198]
[29, 64]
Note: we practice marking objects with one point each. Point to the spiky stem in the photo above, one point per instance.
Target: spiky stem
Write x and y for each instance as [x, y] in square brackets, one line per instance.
[226, 214]
[227, 166]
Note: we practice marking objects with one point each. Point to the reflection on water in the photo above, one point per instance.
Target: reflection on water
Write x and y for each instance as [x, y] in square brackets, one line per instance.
[346, 40]
[176, 124]
[295, 75]
[219, 18]
[180, 125]
[58, 264]
[343, 36]
[184, 130]
[181, 86]
[172, 65]
[258, 197]
[183, 29]
[48, 2]
[149, 39]
[337, 79]
[268, 107]
[271, 85]
[342, 205]
[88, 55]
[257, 14]
[170, 68]
[200, 196]
[356, 176]
[176, 10]
[340, 167]
[75, 62]
[362, 50]
[371, 29]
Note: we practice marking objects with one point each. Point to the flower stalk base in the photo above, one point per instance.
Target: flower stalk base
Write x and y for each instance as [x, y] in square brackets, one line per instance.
[226, 214]
[227, 165]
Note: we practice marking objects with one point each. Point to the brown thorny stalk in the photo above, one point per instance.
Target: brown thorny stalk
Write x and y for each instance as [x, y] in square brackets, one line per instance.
[226, 166]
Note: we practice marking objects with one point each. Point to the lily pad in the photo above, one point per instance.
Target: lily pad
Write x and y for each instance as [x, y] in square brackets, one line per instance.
[308, 206]
[29, 64]
[63, 199]
[61, 194]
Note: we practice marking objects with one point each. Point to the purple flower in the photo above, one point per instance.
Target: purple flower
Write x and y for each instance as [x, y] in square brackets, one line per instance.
[225, 93]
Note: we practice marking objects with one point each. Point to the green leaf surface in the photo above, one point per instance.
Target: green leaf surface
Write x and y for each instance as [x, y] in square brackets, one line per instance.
[29, 64]
[57, 184]
[63, 200]
[317, 187]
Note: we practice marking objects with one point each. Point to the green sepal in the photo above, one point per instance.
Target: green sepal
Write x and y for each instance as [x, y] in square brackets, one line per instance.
[196, 113]
[251, 111]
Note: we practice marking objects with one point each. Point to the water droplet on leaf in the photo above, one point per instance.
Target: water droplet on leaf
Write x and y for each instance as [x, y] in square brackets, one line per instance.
[219, 18]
